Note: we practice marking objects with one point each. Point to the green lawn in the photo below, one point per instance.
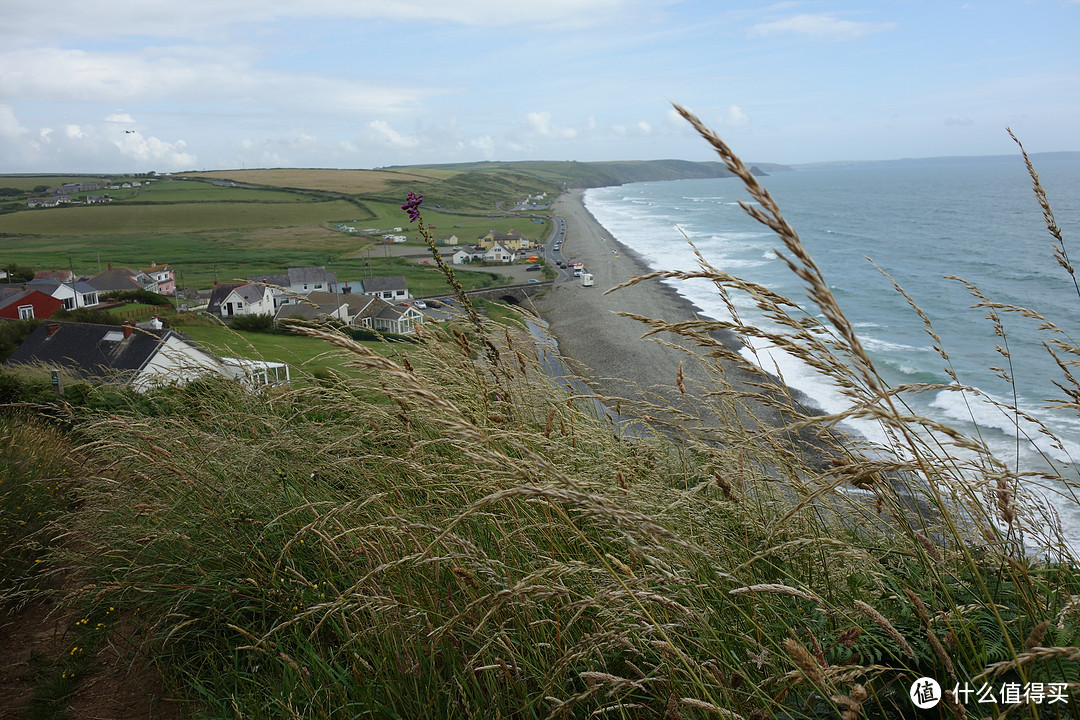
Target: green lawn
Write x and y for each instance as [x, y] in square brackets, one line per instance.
[304, 355]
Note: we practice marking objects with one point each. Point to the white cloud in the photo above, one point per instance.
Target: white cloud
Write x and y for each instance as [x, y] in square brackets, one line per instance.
[540, 124]
[151, 151]
[9, 124]
[214, 20]
[825, 27]
[113, 78]
[120, 117]
[74, 132]
[959, 120]
[484, 145]
[732, 117]
[382, 131]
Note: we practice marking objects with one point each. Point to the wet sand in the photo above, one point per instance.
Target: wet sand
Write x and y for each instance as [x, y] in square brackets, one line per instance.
[607, 348]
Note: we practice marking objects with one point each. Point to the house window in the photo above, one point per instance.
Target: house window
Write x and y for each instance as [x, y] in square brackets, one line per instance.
[239, 305]
[26, 312]
[318, 286]
[69, 303]
[388, 295]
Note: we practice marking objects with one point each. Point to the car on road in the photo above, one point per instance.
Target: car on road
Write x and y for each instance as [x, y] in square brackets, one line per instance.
[533, 280]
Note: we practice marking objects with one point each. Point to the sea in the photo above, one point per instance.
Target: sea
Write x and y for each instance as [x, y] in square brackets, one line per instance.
[919, 221]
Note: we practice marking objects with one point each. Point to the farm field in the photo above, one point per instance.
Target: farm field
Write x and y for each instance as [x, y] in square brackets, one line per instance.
[215, 232]
[351, 182]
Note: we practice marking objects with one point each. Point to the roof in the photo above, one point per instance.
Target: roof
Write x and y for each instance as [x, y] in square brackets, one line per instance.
[384, 284]
[310, 275]
[281, 279]
[61, 275]
[48, 285]
[90, 349]
[251, 293]
[219, 293]
[315, 305]
[368, 310]
[14, 293]
[117, 278]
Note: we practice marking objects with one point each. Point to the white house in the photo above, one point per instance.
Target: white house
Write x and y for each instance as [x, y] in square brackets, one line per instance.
[467, 255]
[231, 299]
[393, 287]
[296, 281]
[78, 294]
[499, 254]
[143, 358]
[399, 319]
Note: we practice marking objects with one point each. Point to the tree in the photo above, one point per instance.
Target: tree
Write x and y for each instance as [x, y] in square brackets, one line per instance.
[19, 273]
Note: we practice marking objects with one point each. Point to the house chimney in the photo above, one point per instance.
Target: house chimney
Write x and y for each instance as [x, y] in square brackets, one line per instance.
[128, 329]
[51, 329]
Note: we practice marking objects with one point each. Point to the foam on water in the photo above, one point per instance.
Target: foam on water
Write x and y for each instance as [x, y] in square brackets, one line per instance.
[918, 224]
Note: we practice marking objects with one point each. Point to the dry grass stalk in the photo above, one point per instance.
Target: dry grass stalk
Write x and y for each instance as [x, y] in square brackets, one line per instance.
[883, 622]
[807, 663]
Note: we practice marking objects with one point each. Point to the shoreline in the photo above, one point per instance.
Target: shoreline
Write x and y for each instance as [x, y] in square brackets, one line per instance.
[608, 350]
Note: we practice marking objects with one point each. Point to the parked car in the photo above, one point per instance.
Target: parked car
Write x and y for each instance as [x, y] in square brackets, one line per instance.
[533, 280]
[533, 268]
[420, 304]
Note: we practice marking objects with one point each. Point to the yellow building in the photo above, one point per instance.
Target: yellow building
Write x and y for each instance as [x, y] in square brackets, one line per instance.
[511, 240]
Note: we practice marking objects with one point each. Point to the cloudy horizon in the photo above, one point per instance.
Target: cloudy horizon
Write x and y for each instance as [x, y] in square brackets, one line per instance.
[361, 84]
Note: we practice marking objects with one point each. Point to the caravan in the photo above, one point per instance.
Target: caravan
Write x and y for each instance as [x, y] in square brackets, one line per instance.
[586, 280]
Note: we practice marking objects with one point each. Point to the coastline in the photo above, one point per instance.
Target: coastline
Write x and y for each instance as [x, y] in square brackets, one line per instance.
[608, 350]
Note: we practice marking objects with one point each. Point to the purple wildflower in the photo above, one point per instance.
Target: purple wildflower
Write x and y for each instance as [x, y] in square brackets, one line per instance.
[412, 206]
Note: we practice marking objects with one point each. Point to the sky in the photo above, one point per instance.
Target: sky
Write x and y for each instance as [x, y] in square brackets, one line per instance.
[166, 86]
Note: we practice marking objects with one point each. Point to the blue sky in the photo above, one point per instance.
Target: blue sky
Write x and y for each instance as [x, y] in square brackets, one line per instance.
[213, 84]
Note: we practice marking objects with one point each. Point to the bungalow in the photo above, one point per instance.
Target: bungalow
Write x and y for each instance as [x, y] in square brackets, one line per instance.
[122, 278]
[499, 254]
[399, 319]
[24, 302]
[143, 358]
[316, 306]
[467, 255]
[363, 309]
[393, 287]
[73, 295]
[296, 281]
[230, 299]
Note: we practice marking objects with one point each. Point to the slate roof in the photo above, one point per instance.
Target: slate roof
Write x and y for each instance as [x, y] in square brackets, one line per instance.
[90, 350]
[384, 284]
[117, 278]
[310, 275]
[218, 295]
[251, 293]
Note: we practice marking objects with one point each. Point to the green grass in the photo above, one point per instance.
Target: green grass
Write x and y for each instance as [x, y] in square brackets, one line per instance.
[424, 534]
[305, 356]
[170, 218]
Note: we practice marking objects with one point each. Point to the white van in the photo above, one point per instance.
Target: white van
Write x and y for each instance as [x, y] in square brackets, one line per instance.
[586, 280]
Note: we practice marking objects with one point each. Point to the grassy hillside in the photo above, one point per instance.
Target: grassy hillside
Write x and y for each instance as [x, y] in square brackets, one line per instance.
[429, 535]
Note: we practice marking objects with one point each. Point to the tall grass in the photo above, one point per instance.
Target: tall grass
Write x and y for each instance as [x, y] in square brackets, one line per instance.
[484, 545]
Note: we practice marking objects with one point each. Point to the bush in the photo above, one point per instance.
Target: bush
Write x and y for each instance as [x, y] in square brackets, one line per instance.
[253, 323]
[88, 315]
[139, 296]
[12, 333]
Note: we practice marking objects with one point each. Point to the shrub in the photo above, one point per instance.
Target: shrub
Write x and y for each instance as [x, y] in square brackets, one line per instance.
[253, 323]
